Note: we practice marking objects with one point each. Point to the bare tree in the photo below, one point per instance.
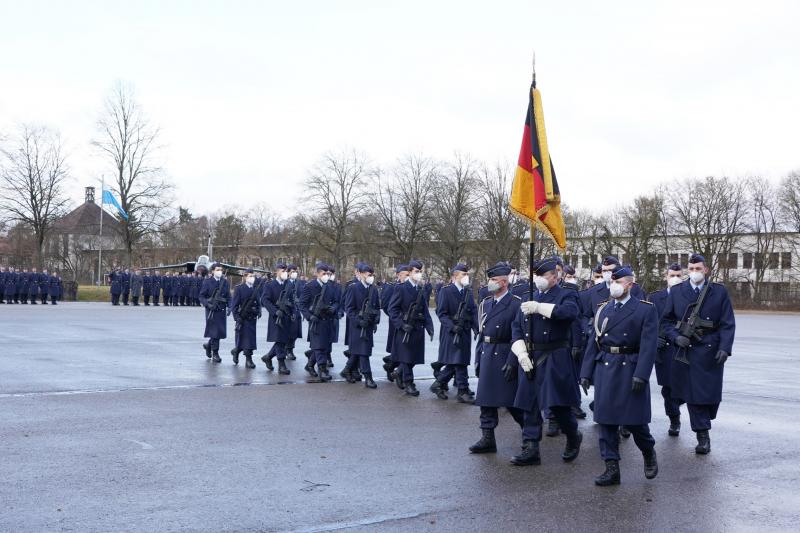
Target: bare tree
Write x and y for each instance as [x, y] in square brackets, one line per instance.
[502, 232]
[403, 203]
[336, 197]
[456, 201]
[32, 177]
[130, 143]
[636, 233]
[762, 222]
[789, 199]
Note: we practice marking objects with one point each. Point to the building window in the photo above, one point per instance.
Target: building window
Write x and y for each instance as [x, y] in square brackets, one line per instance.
[747, 260]
[786, 260]
[684, 260]
[586, 261]
[728, 260]
[773, 260]
[662, 261]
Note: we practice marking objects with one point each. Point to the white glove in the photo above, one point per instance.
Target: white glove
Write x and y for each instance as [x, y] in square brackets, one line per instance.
[529, 308]
[545, 309]
[521, 351]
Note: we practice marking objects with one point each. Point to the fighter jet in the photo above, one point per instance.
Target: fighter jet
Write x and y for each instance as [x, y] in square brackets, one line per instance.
[203, 264]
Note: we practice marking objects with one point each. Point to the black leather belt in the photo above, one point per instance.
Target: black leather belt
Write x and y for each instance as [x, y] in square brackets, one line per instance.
[619, 349]
[496, 340]
[549, 347]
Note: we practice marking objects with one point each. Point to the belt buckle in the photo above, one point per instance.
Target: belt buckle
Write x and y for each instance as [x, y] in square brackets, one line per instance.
[614, 349]
[487, 339]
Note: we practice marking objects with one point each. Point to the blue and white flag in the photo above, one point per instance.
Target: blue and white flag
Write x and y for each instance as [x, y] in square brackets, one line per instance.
[108, 198]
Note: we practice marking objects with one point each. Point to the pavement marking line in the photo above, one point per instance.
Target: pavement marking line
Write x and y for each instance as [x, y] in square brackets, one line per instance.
[176, 387]
[358, 523]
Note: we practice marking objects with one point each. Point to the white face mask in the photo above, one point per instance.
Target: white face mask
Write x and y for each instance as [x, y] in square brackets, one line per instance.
[370, 280]
[333, 277]
[465, 281]
[512, 279]
[571, 280]
[541, 283]
[616, 289]
[674, 280]
[283, 276]
[697, 277]
[218, 274]
[416, 276]
[293, 275]
[250, 281]
[493, 285]
[325, 278]
[598, 281]
[606, 276]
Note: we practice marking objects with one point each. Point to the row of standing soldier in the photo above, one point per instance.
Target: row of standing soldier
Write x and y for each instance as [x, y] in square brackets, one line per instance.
[531, 355]
[179, 289]
[22, 287]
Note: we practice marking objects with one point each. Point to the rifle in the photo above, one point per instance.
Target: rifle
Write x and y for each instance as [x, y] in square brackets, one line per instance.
[317, 308]
[460, 318]
[367, 312]
[409, 317]
[246, 311]
[693, 326]
[215, 300]
[283, 304]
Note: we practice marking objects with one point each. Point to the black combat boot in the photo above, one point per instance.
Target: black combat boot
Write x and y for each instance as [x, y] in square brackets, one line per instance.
[207, 348]
[310, 369]
[235, 353]
[573, 447]
[368, 382]
[703, 442]
[486, 444]
[552, 428]
[216, 358]
[624, 433]
[389, 372]
[411, 389]
[579, 413]
[248, 361]
[308, 353]
[529, 455]
[267, 359]
[436, 388]
[290, 355]
[674, 426]
[356, 373]
[465, 396]
[437, 367]
[650, 464]
[610, 476]
[347, 375]
[282, 368]
[398, 379]
[324, 375]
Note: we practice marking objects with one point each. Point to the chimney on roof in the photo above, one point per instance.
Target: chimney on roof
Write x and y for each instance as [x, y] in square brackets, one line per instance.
[90, 195]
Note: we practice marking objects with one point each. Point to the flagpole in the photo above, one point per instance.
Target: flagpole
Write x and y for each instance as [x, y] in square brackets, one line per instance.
[100, 246]
[532, 236]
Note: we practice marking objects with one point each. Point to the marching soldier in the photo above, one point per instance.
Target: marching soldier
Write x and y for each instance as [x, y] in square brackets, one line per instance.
[166, 284]
[276, 297]
[33, 286]
[457, 314]
[699, 322]
[401, 274]
[665, 352]
[410, 318]
[55, 288]
[44, 283]
[155, 280]
[246, 310]
[147, 288]
[577, 338]
[126, 286]
[214, 296]
[363, 308]
[496, 364]
[547, 379]
[618, 364]
[297, 324]
[115, 280]
[136, 286]
[320, 308]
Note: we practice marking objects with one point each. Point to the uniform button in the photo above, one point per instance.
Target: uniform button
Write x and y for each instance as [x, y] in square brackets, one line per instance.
[606, 334]
[606, 363]
[497, 326]
[624, 334]
[623, 363]
[545, 333]
[495, 353]
[526, 334]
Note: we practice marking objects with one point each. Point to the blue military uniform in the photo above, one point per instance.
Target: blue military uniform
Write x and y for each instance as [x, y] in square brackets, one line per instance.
[246, 311]
[147, 288]
[699, 384]
[115, 279]
[155, 284]
[458, 316]
[44, 282]
[297, 324]
[664, 358]
[214, 296]
[410, 325]
[387, 290]
[126, 286]
[136, 283]
[363, 309]
[320, 307]
[276, 297]
[54, 288]
[618, 363]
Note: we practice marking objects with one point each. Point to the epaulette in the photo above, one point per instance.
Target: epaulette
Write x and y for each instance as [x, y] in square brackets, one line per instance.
[604, 302]
[488, 297]
[646, 302]
[515, 296]
[445, 286]
[569, 286]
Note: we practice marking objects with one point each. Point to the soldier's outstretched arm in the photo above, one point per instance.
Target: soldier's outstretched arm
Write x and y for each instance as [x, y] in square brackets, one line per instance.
[727, 323]
[648, 343]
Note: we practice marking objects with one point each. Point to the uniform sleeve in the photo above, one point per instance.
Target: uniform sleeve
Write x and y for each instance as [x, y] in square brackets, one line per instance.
[236, 303]
[376, 305]
[203, 296]
[519, 327]
[648, 343]
[587, 368]
[668, 319]
[443, 311]
[727, 322]
[305, 301]
[568, 308]
[268, 298]
[395, 310]
[350, 308]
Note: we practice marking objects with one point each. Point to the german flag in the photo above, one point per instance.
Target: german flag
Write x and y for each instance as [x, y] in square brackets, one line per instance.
[534, 195]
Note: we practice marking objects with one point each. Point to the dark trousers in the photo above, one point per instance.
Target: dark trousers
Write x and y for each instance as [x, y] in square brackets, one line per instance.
[135, 300]
[278, 350]
[114, 299]
[320, 357]
[359, 360]
[609, 440]
[146, 299]
[125, 296]
[459, 372]
[532, 424]
[672, 407]
[490, 416]
[155, 298]
[53, 300]
[32, 298]
[290, 345]
[700, 416]
[44, 297]
[406, 372]
[213, 344]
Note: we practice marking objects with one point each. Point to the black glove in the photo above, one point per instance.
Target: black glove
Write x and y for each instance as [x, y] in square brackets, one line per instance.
[638, 385]
[279, 315]
[662, 343]
[576, 353]
[585, 384]
[721, 357]
[478, 371]
[682, 341]
[331, 309]
[457, 330]
[408, 328]
[509, 372]
[313, 318]
[363, 323]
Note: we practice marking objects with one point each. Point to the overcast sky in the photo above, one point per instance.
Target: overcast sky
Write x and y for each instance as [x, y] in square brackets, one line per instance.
[249, 94]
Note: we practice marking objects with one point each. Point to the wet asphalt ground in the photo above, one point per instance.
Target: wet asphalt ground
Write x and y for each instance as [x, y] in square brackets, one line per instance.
[112, 419]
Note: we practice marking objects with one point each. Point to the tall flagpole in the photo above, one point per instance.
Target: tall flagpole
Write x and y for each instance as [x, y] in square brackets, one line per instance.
[100, 246]
[532, 236]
